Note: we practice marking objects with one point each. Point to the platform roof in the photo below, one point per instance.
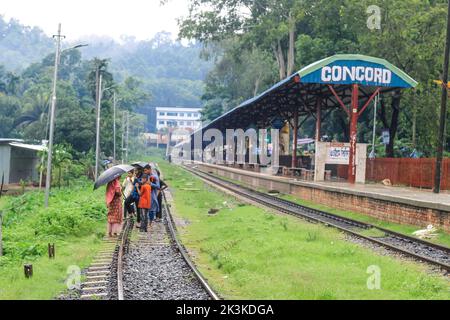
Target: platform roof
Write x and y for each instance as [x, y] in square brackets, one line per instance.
[302, 90]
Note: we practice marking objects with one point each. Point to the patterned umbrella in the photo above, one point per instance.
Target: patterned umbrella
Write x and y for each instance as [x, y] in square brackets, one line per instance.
[111, 174]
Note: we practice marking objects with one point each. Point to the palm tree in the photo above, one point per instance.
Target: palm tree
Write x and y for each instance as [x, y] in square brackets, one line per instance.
[35, 110]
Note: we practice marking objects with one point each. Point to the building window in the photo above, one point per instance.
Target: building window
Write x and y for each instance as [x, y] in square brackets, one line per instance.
[181, 114]
[189, 123]
[172, 114]
[189, 114]
[196, 115]
[181, 123]
[161, 122]
[162, 113]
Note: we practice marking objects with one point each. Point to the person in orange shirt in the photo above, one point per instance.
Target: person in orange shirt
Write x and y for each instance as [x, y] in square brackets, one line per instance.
[144, 201]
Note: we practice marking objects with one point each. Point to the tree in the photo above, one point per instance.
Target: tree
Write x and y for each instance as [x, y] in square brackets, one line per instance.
[269, 24]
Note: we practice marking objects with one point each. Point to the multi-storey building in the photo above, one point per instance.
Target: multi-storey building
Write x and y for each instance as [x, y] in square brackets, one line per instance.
[181, 118]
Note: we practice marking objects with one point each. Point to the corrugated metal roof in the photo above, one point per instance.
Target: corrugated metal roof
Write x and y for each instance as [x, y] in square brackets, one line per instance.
[28, 146]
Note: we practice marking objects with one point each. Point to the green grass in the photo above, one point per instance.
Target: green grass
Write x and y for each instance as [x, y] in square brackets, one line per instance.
[442, 238]
[74, 222]
[248, 253]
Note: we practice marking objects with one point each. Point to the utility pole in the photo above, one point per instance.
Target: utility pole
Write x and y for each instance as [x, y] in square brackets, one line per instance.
[123, 135]
[114, 126]
[52, 116]
[441, 136]
[99, 102]
[127, 136]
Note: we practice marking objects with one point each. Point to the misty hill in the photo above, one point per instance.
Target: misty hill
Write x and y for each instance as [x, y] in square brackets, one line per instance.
[173, 73]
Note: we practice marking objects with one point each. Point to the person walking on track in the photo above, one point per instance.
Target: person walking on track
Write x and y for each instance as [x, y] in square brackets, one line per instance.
[163, 186]
[144, 191]
[127, 187]
[135, 196]
[154, 208]
[114, 205]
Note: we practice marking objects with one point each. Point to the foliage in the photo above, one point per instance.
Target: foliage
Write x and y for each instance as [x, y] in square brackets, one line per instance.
[410, 37]
[28, 226]
[307, 261]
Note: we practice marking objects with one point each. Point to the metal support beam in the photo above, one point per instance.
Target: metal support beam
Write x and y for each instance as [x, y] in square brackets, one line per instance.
[318, 118]
[343, 106]
[368, 102]
[353, 134]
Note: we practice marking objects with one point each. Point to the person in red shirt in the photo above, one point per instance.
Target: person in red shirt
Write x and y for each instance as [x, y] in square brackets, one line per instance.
[144, 201]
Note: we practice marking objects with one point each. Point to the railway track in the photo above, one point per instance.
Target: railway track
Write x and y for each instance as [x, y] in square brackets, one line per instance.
[150, 241]
[434, 254]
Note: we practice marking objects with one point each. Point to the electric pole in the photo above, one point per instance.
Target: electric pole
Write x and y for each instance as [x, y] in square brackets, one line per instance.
[99, 102]
[126, 137]
[114, 126]
[441, 136]
[52, 117]
[123, 135]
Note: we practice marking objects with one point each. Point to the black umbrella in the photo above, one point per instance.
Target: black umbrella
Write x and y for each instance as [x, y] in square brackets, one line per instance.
[139, 164]
[111, 174]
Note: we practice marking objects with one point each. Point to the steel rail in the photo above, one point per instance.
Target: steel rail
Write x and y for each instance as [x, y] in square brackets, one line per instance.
[183, 251]
[314, 215]
[122, 245]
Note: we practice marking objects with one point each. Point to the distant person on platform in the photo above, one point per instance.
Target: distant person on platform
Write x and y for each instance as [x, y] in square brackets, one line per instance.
[127, 188]
[114, 205]
[144, 191]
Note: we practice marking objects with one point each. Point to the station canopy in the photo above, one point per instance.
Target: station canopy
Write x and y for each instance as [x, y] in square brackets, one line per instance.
[312, 86]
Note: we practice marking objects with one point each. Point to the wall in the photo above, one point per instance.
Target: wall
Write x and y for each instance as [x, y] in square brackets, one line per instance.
[5, 156]
[392, 211]
[23, 165]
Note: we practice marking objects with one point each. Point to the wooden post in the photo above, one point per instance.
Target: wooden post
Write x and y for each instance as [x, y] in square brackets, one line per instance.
[1, 245]
[353, 134]
[294, 142]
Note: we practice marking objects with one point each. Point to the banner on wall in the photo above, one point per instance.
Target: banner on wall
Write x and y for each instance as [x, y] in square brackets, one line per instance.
[338, 154]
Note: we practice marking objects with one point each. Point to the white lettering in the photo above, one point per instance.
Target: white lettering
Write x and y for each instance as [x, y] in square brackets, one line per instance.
[387, 76]
[369, 74]
[361, 74]
[349, 72]
[336, 73]
[326, 74]
[378, 74]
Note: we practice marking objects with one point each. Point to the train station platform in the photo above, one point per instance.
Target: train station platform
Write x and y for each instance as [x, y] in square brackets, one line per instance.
[403, 205]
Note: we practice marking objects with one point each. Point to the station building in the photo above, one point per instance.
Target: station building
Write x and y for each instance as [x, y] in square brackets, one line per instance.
[349, 84]
[178, 117]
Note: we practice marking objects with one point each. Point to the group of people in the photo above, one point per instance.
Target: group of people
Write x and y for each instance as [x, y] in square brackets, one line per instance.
[141, 194]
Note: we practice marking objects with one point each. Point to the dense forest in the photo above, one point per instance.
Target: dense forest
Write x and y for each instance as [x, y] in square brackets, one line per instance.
[144, 74]
[256, 43]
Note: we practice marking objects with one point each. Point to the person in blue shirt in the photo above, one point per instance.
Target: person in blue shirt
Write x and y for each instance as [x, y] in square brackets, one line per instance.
[154, 183]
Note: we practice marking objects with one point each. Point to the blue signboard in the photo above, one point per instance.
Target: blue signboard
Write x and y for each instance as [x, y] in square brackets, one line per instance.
[346, 69]
[355, 71]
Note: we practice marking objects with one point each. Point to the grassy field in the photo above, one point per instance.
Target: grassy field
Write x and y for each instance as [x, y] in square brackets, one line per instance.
[248, 253]
[74, 222]
[443, 238]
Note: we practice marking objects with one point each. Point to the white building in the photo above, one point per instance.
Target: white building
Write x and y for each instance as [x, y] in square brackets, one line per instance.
[182, 118]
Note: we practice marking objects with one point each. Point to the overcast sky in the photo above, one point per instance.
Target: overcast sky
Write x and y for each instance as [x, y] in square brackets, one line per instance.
[139, 18]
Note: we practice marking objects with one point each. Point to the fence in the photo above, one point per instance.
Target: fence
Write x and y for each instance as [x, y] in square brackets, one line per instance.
[409, 172]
